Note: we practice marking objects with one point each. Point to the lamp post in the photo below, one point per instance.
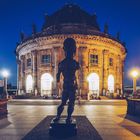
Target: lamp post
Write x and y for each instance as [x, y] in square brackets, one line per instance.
[134, 74]
[5, 74]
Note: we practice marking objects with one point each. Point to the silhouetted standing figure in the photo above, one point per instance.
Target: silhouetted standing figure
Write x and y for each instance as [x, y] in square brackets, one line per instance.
[68, 68]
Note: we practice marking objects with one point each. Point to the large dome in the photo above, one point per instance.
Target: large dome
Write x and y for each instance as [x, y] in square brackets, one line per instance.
[71, 14]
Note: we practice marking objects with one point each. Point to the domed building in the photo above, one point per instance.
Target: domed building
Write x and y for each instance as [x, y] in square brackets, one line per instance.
[101, 56]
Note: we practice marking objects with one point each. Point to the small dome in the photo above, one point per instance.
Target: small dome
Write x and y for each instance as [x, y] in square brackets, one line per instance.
[71, 14]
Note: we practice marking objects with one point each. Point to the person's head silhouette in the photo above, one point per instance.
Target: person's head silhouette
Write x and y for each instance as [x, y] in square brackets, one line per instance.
[69, 47]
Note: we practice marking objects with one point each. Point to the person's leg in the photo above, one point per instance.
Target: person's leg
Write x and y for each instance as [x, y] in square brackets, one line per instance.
[61, 106]
[70, 105]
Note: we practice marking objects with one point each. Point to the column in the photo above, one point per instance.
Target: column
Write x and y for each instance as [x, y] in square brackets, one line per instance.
[56, 52]
[118, 74]
[122, 82]
[83, 71]
[105, 71]
[18, 76]
[23, 80]
[34, 68]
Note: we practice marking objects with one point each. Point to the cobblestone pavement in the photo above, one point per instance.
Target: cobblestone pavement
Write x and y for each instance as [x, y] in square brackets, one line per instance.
[109, 120]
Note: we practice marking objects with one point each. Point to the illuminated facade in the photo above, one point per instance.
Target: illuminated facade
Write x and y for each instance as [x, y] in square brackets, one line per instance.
[100, 55]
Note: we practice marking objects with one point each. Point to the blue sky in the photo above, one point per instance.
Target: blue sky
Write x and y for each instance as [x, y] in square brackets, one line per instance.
[18, 15]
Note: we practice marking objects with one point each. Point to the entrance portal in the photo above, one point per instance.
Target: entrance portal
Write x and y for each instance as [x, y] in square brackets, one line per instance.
[111, 83]
[29, 84]
[93, 80]
[46, 84]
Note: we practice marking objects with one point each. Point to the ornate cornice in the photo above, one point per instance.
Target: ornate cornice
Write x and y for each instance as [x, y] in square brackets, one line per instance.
[57, 40]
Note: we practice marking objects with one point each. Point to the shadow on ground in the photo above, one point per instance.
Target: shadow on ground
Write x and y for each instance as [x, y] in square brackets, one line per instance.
[85, 130]
[131, 123]
[4, 122]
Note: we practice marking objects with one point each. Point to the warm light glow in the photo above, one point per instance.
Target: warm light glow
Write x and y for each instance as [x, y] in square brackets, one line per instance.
[111, 83]
[5, 73]
[134, 73]
[29, 84]
[93, 80]
[46, 84]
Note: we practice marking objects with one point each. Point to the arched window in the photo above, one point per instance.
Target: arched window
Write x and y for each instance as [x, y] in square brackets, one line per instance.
[46, 84]
[29, 84]
[111, 83]
[93, 80]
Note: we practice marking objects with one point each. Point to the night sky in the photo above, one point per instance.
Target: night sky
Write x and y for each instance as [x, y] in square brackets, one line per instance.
[19, 15]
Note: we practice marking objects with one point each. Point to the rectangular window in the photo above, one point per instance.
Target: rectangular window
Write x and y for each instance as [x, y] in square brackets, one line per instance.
[93, 59]
[29, 62]
[46, 59]
[110, 61]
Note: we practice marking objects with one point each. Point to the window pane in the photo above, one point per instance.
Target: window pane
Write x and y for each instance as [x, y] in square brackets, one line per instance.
[46, 59]
[93, 59]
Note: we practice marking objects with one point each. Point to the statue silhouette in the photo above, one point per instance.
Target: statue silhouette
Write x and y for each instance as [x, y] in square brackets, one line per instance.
[68, 68]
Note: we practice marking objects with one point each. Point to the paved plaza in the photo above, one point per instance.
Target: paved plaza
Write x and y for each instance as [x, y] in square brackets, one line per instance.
[107, 118]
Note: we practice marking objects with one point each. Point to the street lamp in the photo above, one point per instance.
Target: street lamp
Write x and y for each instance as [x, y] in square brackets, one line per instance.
[5, 74]
[134, 74]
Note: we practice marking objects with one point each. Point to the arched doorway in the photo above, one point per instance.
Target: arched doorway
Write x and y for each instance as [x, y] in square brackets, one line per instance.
[46, 84]
[93, 81]
[111, 83]
[29, 84]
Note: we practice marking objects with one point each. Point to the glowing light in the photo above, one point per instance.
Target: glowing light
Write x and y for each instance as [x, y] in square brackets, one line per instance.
[93, 80]
[134, 73]
[46, 84]
[29, 84]
[111, 83]
[5, 73]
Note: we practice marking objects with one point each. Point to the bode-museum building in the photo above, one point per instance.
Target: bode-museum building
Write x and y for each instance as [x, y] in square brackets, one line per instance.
[101, 56]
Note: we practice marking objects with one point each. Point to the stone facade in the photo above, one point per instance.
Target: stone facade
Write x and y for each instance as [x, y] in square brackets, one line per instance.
[98, 54]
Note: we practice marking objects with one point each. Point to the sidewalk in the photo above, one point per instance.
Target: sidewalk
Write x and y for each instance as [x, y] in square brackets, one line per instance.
[109, 121]
[56, 102]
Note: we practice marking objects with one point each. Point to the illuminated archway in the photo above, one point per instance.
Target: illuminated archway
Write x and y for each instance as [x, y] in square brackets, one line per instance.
[29, 84]
[111, 83]
[93, 81]
[46, 84]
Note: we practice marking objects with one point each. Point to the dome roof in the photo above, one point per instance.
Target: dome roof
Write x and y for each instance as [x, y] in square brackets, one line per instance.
[71, 14]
